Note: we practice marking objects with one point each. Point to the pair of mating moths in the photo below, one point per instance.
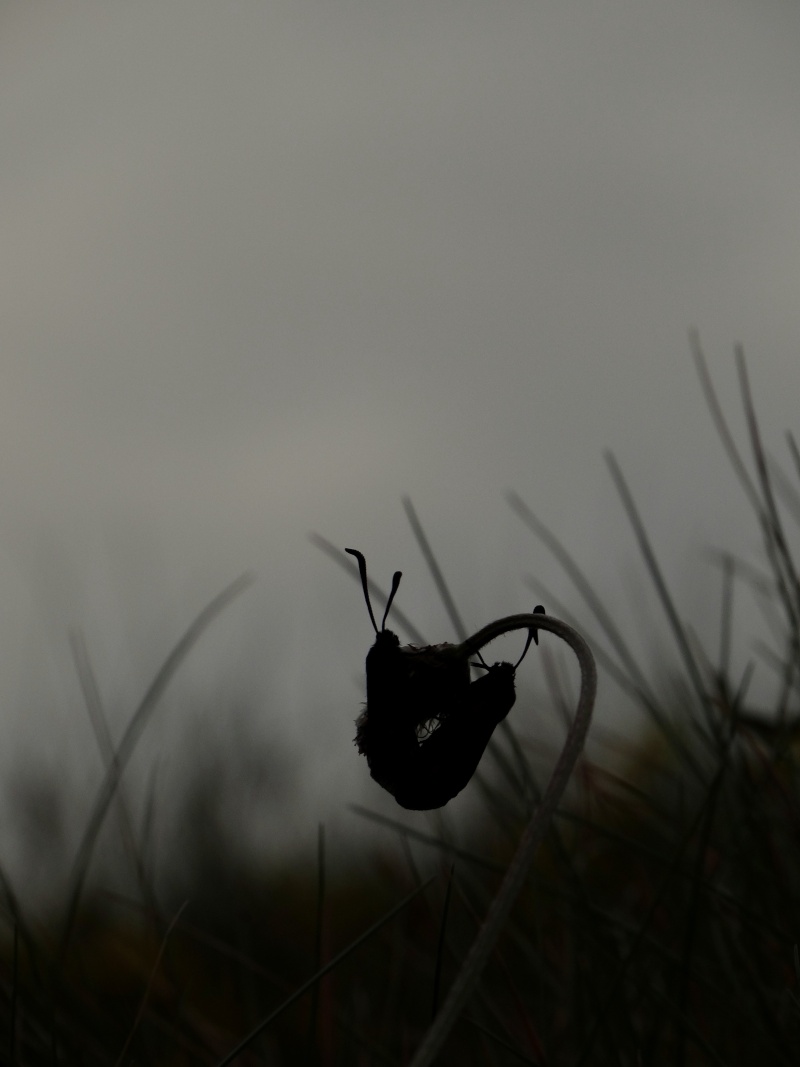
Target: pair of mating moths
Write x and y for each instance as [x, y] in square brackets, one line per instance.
[426, 724]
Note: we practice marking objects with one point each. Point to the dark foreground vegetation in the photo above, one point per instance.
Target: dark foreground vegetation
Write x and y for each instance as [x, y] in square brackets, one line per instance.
[659, 926]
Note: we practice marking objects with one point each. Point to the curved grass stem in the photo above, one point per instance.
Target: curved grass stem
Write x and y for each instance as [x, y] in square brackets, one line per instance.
[517, 872]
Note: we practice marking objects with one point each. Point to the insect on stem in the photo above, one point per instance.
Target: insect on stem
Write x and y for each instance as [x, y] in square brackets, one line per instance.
[408, 687]
[426, 723]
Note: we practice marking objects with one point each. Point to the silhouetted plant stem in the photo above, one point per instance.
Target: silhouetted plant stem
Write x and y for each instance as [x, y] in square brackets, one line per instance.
[517, 872]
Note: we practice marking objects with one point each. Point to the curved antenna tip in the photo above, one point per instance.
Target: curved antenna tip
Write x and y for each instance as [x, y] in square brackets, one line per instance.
[538, 610]
[533, 635]
[362, 570]
[395, 584]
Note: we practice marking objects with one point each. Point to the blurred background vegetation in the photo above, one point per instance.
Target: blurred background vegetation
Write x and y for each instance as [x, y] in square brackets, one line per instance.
[660, 924]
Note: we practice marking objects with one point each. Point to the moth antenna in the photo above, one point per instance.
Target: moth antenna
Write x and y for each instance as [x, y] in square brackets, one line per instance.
[395, 585]
[533, 635]
[362, 570]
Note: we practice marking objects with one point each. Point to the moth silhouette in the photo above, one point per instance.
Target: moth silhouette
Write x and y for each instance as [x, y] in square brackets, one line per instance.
[426, 725]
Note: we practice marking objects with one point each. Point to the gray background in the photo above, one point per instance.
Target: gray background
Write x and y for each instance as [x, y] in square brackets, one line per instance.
[266, 267]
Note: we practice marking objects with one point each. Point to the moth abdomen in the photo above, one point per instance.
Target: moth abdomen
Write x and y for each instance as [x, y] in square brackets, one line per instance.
[496, 691]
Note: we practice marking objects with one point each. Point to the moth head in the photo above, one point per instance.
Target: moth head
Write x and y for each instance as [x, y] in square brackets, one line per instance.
[407, 684]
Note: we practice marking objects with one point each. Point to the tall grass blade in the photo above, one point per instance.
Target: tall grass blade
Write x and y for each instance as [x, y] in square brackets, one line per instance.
[318, 944]
[644, 696]
[97, 718]
[312, 981]
[436, 571]
[428, 839]
[651, 563]
[774, 539]
[721, 424]
[584, 587]
[440, 943]
[794, 450]
[150, 981]
[613, 990]
[130, 738]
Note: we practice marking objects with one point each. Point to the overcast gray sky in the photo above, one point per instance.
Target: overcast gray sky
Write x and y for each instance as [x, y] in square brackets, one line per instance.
[267, 266]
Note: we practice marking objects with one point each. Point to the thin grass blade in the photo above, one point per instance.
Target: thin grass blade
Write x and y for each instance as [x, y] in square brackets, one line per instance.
[136, 726]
